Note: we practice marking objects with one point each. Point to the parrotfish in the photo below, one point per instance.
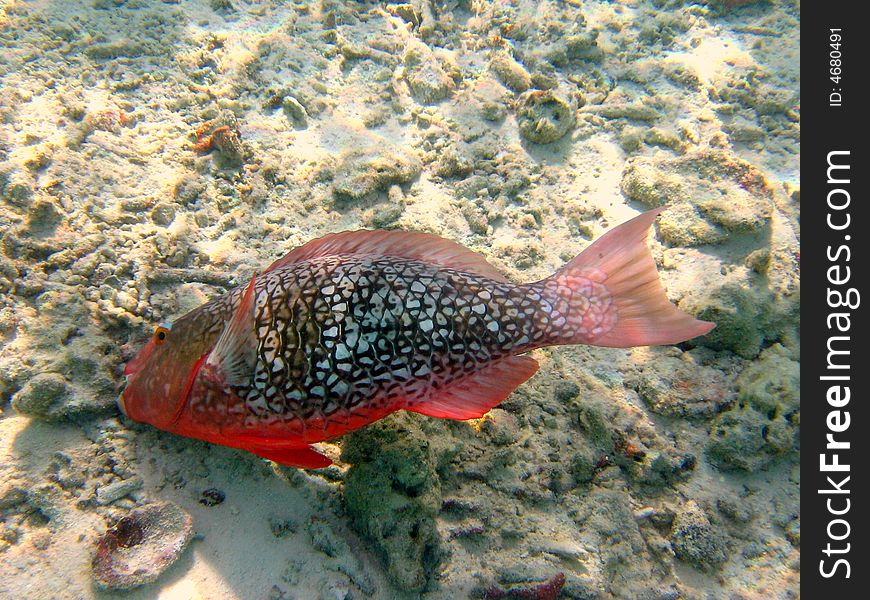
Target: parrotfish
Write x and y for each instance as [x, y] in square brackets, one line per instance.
[353, 326]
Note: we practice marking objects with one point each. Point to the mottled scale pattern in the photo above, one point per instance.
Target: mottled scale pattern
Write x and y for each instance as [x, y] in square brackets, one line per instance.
[342, 337]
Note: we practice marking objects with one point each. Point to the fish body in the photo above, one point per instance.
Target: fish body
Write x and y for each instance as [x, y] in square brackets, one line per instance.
[354, 326]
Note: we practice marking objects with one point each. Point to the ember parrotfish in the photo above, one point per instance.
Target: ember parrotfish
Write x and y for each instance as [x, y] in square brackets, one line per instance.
[353, 326]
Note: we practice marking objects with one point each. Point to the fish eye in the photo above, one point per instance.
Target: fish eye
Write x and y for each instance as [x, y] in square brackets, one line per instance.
[160, 334]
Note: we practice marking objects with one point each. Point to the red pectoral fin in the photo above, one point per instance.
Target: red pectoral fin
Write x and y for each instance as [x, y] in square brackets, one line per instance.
[473, 395]
[304, 458]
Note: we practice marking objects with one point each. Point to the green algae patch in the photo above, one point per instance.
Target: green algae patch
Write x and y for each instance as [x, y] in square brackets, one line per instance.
[393, 494]
[766, 422]
[697, 541]
[771, 384]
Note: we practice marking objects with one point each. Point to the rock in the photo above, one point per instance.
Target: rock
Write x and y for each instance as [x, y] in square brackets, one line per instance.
[383, 216]
[141, 546]
[491, 99]
[742, 314]
[454, 162]
[671, 386]
[771, 384]
[44, 215]
[767, 421]
[657, 136]
[736, 509]
[11, 494]
[393, 495]
[295, 112]
[511, 73]
[363, 172]
[476, 218]
[695, 540]
[116, 490]
[17, 188]
[584, 466]
[684, 225]
[713, 195]
[431, 78]
[737, 440]
[222, 136]
[584, 46]
[163, 214]
[341, 558]
[793, 532]
[44, 396]
[545, 116]
[565, 390]
[629, 110]
[500, 427]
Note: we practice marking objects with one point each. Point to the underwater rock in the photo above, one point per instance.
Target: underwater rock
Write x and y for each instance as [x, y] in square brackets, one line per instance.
[545, 116]
[382, 217]
[674, 387]
[771, 384]
[141, 546]
[500, 427]
[295, 112]
[511, 73]
[116, 490]
[476, 218]
[44, 396]
[717, 195]
[363, 172]
[491, 100]
[163, 214]
[697, 541]
[222, 136]
[634, 111]
[431, 77]
[341, 558]
[684, 225]
[454, 162]
[766, 423]
[742, 313]
[608, 529]
[393, 494]
[737, 440]
[584, 46]
[793, 532]
[16, 187]
[549, 590]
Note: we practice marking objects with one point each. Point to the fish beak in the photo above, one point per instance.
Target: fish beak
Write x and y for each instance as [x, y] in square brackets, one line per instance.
[121, 402]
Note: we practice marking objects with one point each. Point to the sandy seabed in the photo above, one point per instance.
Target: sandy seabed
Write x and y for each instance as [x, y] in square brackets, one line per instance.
[154, 154]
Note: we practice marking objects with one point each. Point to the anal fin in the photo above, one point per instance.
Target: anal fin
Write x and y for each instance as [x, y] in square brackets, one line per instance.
[303, 458]
[474, 395]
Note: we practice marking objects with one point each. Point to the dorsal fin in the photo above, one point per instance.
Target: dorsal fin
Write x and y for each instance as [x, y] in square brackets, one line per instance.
[406, 244]
[231, 362]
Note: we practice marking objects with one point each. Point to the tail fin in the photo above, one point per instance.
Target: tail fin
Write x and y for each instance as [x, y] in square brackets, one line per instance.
[623, 302]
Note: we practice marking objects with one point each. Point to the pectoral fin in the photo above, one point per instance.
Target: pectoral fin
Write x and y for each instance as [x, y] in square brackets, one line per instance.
[232, 360]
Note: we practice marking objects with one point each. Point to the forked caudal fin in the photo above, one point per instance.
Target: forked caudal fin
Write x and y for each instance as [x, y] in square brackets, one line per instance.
[623, 302]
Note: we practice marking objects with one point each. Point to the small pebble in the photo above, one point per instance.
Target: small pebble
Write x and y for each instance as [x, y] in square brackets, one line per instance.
[211, 497]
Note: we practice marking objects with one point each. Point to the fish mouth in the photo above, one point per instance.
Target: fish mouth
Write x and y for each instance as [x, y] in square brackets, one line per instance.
[120, 400]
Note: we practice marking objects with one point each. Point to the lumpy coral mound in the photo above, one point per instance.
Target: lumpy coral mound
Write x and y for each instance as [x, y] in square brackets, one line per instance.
[140, 546]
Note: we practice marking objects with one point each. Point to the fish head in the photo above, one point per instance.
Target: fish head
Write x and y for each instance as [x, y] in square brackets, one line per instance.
[160, 377]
